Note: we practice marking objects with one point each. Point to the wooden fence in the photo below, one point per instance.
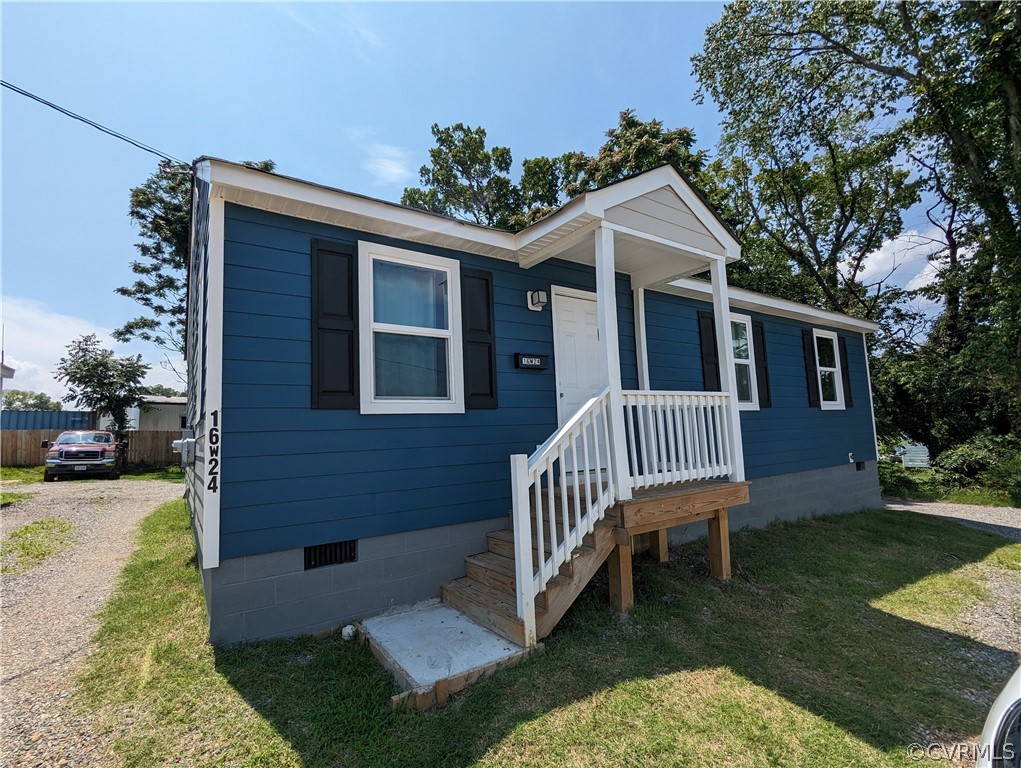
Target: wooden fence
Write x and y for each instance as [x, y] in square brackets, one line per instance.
[21, 447]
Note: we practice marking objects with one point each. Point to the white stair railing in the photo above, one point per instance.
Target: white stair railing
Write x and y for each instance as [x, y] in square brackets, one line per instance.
[674, 437]
[559, 493]
[562, 490]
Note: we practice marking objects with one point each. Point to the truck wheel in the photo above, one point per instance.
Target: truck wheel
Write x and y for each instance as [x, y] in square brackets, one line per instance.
[48, 478]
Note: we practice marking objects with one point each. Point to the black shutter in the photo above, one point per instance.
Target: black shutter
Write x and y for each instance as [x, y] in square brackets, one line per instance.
[845, 373]
[811, 372]
[479, 331]
[334, 325]
[710, 352]
[761, 364]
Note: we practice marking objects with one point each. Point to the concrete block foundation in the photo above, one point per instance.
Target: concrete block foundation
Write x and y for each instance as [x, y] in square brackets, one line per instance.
[797, 496]
[257, 597]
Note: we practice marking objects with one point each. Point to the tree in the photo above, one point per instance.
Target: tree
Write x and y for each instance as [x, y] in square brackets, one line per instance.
[161, 208]
[100, 382]
[162, 391]
[467, 181]
[23, 400]
[940, 82]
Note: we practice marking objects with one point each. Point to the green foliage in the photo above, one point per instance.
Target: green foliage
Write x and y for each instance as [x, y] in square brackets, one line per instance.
[10, 497]
[28, 546]
[983, 470]
[992, 461]
[936, 83]
[468, 181]
[23, 400]
[98, 381]
[21, 475]
[162, 391]
[161, 209]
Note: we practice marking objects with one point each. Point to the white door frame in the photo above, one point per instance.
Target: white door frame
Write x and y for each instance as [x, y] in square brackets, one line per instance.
[564, 292]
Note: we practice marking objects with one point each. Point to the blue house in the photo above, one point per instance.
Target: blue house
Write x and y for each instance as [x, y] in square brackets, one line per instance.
[389, 405]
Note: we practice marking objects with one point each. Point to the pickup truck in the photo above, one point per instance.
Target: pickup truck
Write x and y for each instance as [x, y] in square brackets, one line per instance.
[81, 454]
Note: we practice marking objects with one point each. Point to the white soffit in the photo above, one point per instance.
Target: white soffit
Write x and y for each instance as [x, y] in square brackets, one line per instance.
[740, 298]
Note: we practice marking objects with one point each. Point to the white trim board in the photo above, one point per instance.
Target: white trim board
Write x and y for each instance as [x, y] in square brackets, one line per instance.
[740, 298]
[213, 401]
[315, 202]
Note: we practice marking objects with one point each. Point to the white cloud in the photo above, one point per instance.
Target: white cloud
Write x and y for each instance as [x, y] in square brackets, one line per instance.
[289, 11]
[388, 164]
[36, 337]
[904, 260]
[368, 35]
[926, 277]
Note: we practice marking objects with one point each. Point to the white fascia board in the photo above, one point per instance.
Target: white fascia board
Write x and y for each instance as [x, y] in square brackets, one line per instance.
[769, 305]
[558, 246]
[230, 175]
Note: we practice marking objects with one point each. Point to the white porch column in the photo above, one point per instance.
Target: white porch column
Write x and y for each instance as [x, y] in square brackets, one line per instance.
[606, 307]
[728, 383]
[641, 340]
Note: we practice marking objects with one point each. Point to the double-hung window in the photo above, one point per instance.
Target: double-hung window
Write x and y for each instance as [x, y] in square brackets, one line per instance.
[744, 362]
[410, 356]
[827, 362]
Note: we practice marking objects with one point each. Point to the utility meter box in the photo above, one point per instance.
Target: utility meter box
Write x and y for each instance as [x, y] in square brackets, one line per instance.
[186, 447]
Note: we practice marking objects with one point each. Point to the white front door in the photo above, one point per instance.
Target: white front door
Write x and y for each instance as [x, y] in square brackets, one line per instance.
[577, 352]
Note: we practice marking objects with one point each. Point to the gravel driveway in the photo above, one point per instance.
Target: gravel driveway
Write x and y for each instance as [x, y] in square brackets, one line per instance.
[997, 624]
[1004, 521]
[48, 612]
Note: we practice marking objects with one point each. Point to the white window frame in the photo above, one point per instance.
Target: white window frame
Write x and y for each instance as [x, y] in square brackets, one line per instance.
[368, 254]
[838, 404]
[753, 404]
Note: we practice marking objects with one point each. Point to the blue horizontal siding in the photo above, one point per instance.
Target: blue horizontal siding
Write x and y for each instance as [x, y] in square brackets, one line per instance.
[63, 420]
[293, 476]
[790, 436]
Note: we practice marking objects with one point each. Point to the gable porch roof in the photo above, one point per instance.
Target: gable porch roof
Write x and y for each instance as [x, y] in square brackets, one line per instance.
[663, 228]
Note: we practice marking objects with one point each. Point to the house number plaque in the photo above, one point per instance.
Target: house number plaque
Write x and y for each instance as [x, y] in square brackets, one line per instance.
[533, 362]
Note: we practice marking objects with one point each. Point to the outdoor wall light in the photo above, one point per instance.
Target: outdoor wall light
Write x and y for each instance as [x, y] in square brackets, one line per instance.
[537, 300]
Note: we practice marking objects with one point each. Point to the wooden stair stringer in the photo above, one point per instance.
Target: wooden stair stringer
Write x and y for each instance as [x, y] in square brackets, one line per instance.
[561, 593]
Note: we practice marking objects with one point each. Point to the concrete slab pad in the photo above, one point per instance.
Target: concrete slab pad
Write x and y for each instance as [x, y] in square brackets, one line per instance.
[433, 650]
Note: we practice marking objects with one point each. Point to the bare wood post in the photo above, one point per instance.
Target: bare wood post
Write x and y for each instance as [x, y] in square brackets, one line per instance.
[658, 545]
[719, 545]
[622, 589]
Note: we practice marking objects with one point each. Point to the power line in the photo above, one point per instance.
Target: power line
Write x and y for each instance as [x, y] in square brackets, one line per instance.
[93, 123]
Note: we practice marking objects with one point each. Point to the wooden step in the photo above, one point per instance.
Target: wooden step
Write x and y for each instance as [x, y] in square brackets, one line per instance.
[498, 572]
[502, 543]
[487, 606]
[495, 570]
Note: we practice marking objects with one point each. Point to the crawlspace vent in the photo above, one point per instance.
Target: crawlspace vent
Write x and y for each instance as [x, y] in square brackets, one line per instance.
[331, 554]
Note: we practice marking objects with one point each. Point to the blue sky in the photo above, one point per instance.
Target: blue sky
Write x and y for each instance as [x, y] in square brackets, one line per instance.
[341, 94]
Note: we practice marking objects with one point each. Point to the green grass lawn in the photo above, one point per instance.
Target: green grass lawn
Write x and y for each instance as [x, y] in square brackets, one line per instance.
[838, 642]
[9, 497]
[22, 475]
[28, 546]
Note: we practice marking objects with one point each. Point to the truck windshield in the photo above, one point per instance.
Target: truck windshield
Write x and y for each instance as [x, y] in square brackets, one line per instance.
[84, 437]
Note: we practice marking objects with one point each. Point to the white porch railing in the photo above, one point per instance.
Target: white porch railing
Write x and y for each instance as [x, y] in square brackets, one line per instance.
[675, 437]
[563, 489]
